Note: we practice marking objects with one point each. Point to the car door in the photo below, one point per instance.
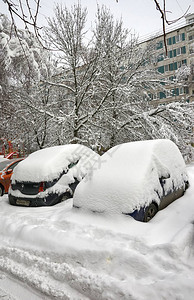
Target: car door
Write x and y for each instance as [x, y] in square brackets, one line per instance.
[6, 175]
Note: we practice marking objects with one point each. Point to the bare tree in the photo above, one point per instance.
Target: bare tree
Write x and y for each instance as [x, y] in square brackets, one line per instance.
[68, 34]
[23, 11]
[124, 76]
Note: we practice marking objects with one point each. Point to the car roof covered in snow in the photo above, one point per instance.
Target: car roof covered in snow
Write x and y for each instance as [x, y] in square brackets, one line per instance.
[49, 163]
[127, 176]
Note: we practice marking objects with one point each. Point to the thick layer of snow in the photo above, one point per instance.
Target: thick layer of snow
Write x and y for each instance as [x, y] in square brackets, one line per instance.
[127, 177]
[61, 253]
[47, 164]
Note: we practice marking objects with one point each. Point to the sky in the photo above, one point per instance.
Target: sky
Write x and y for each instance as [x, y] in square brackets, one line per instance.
[140, 16]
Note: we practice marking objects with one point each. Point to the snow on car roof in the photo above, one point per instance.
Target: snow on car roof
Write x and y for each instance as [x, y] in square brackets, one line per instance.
[128, 177]
[49, 163]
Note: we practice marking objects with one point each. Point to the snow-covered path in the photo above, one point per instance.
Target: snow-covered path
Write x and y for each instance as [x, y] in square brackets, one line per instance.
[61, 253]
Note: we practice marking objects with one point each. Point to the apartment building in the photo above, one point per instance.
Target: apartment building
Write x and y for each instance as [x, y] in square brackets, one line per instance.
[177, 65]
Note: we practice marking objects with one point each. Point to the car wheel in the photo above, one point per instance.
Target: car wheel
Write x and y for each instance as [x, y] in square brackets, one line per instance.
[1, 190]
[150, 212]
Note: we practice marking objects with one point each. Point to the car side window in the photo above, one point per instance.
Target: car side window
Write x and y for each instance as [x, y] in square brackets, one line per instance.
[72, 164]
[13, 166]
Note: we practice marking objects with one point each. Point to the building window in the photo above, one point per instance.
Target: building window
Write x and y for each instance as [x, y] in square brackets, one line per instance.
[183, 50]
[175, 92]
[170, 67]
[169, 41]
[178, 38]
[159, 45]
[183, 36]
[186, 90]
[162, 95]
[161, 69]
[191, 37]
[166, 68]
[178, 51]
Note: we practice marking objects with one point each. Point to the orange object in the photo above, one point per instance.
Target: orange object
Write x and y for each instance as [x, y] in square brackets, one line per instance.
[12, 155]
[6, 171]
[9, 150]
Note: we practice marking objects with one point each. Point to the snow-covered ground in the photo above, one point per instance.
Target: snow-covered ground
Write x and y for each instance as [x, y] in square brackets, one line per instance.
[61, 253]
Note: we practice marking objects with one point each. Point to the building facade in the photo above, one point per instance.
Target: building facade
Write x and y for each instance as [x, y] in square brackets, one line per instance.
[177, 65]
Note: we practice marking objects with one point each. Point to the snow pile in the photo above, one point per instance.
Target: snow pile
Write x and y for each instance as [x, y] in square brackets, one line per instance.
[60, 253]
[128, 177]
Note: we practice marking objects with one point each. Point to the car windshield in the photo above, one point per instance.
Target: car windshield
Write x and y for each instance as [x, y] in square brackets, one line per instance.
[3, 164]
[8, 162]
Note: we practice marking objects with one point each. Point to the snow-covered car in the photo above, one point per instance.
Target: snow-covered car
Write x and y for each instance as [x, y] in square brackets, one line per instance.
[49, 176]
[6, 171]
[136, 179]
